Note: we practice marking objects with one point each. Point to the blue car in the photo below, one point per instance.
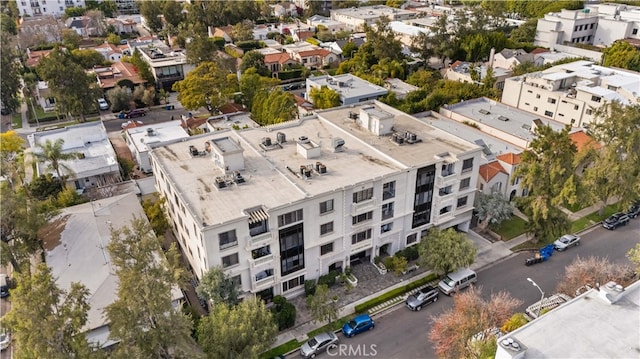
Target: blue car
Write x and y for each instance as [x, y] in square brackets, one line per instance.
[358, 325]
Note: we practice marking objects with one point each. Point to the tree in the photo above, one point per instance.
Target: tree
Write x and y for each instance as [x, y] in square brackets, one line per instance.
[151, 10]
[164, 95]
[614, 171]
[525, 33]
[143, 317]
[53, 153]
[97, 21]
[547, 169]
[53, 327]
[114, 39]
[324, 97]
[322, 305]
[74, 11]
[172, 12]
[75, 91]
[87, 58]
[144, 70]
[251, 83]
[149, 96]
[206, 85]
[254, 59]
[44, 187]
[445, 251]
[349, 49]
[242, 31]
[424, 79]
[242, 331]
[591, 272]
[11, 157]
[119, 97]
[10, 73]
[273, 106]
[201, 49]
[108, 7]
[383, 41]
[453, 330]
[492, 209]
[284, 312]
[634, 256]
[217, 287]
[621, 54]
[154, 209]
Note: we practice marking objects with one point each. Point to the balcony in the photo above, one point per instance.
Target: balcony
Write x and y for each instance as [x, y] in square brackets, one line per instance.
[386, 215]
[263, 283]
[261, 260]
[259, 240]
[448, 180]
[367, 243]
[364, 206]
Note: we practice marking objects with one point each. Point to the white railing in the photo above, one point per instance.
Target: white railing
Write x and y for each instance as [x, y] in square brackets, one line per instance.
[368, 205]
[445, 181]
[263, 283]
[262, 260]
[258, 241]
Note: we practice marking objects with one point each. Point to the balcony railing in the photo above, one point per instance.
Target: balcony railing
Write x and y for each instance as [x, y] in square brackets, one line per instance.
[360, 207]
[228, 245]
[263, 283]
[262, 260]
[259, 240]
[446, 181]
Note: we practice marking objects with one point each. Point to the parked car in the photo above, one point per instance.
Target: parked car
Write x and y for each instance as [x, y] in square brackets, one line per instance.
[135, 113]
[358, 325]
[423, 297]
[566, 241]
[103, 104]
[615, 220]
[634, 210]
[5, 340]
[4, 285]
[318, 344]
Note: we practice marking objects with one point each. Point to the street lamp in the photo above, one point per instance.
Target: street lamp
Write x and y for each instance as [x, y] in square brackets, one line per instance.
[542, 295]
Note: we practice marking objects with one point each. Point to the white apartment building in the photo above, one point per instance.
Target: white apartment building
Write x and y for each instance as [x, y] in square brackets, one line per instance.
[167, 65]
[356, 17]
[352, 89]
[46, 7]
[597, 24]
[278, 205]
[141, 139]
[570, 93]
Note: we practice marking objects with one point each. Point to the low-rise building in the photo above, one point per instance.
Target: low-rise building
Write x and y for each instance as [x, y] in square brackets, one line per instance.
[34, 8]
[352, 89]
[141, 139]
[167, 65]
[571, 93]
[355, 18]
[96, 164]
[462, 71]
[316, 59]
[510, 58]
[123, 25]
[296, 200]
[277, 61]
[399, 87]
[331, 25]
[109, 76]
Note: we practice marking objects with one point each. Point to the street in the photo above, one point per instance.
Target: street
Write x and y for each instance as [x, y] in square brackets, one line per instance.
[156, 115]
[401, 333]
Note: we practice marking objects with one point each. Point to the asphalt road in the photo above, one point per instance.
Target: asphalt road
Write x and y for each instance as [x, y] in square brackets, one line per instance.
[157, 115]
[401, 333]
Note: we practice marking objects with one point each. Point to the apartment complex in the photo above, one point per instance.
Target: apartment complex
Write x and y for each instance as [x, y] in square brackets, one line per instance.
[570, 93]
[352, 89]
[167, 65]
[46, 7]
[275, 206]
[597, 24]
[355, 18]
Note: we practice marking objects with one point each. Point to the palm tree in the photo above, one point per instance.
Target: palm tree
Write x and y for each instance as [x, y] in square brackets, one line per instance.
[52, 152]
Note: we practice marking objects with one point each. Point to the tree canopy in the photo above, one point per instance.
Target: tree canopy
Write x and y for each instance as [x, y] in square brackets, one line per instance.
[621, 54]
[324, 97]
[53, 153]
[206, 85]
[252, 83]
[217, 287]
[584, 273]
[242, 331]
[445, 251]
[273, 106]
[322, 306]
[492, 209]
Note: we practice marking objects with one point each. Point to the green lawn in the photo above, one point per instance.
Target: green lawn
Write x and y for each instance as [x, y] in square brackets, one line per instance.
[510, 228]
[576, 207]
[282, 349]
[16, 120]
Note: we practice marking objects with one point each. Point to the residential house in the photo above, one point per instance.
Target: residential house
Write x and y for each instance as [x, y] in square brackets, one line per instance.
[510, 58]
[406, 33]
[352, 89]
[142, 138]
[225, 32]
[34, 31]
[301, 35]
[276, 62]
[110, 52]
[462, 71]
[123, 25]
[81, 25]
[34, 56]
[33, 8]
[109, 76]
[331, 25]
[299, 199]
[399, 87]
[304, 107]
[96, 165]
[284, 9]
[571, 93]
[167, 65]
[44, 96]
[316, 59]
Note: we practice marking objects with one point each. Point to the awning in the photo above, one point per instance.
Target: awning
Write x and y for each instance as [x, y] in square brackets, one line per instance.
[258, 215]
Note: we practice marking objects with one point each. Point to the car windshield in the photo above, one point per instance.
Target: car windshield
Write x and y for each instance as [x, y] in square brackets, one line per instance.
[564, 239]
[313, 342]
[352, 324]
[448, 281]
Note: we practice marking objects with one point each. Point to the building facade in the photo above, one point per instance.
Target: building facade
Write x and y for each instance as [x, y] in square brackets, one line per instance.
[168, 66]
[276, 206]
[352, 89]
[43, 7]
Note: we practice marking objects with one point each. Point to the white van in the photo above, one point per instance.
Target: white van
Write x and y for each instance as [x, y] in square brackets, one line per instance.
[457, 280]
[4, 288]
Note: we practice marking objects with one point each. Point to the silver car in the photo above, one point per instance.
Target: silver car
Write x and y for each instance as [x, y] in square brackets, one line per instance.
[566, 241]
[318, 344]
[421, 298]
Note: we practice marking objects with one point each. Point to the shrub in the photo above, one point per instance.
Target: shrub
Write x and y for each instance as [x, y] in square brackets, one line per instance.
[399, 264]
[309, 287]
[328, 279]
[362, 308]
[283, 312]
[249, 45]
[516, 321]
[410, 253]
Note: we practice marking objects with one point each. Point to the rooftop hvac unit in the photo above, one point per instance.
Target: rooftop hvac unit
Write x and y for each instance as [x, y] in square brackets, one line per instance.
[338, 144]
[281, 137]
[237, 177]
[150, 132]
[266, 141]
[220, 183]
[303, 139]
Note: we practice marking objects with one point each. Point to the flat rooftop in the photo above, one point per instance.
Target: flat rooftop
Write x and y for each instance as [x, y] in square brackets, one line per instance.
[348, 85]
[586, 327]
[372, 12]
[502, 117]
[145, 136]
[271, 173]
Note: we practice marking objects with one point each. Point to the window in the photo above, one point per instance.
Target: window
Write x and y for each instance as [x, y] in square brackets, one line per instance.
[261, 252]
[447, 169]
[289, 218]
[361, 236]
[326, 206]
[445, 191]
[575, 107]
[264, 274]
[363, 195]
[596, 98]
[591, 27]
[537, 95]
[528, 104]
[362, 217]
[227, 239]
[389, 190]
[633, 32]
[387, 210]
[465, 182]
[535, 108]
[291, 248]
[237, 280]
[467, 165]
[551, 100]
[327, 248]
[462, 202]
[256, 228]
[326, 228]
[529, 91]
[292, 283]
[230, 260]
[575, 28]
[548, 113]
[445, 210]
[588, 111]
[386, 227]
[561, 115]
[412, 238]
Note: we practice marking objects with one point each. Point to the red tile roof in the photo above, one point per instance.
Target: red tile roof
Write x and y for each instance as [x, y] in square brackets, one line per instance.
[490, 170]
[119, 71]
[539, 50]
[582, 141]
[280, 58]
[510, 158]
[35, 56]
[316, 52]
[232, 108]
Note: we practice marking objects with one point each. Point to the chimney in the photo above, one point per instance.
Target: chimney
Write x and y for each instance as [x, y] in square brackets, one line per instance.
[492, 54]
[610, 292]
